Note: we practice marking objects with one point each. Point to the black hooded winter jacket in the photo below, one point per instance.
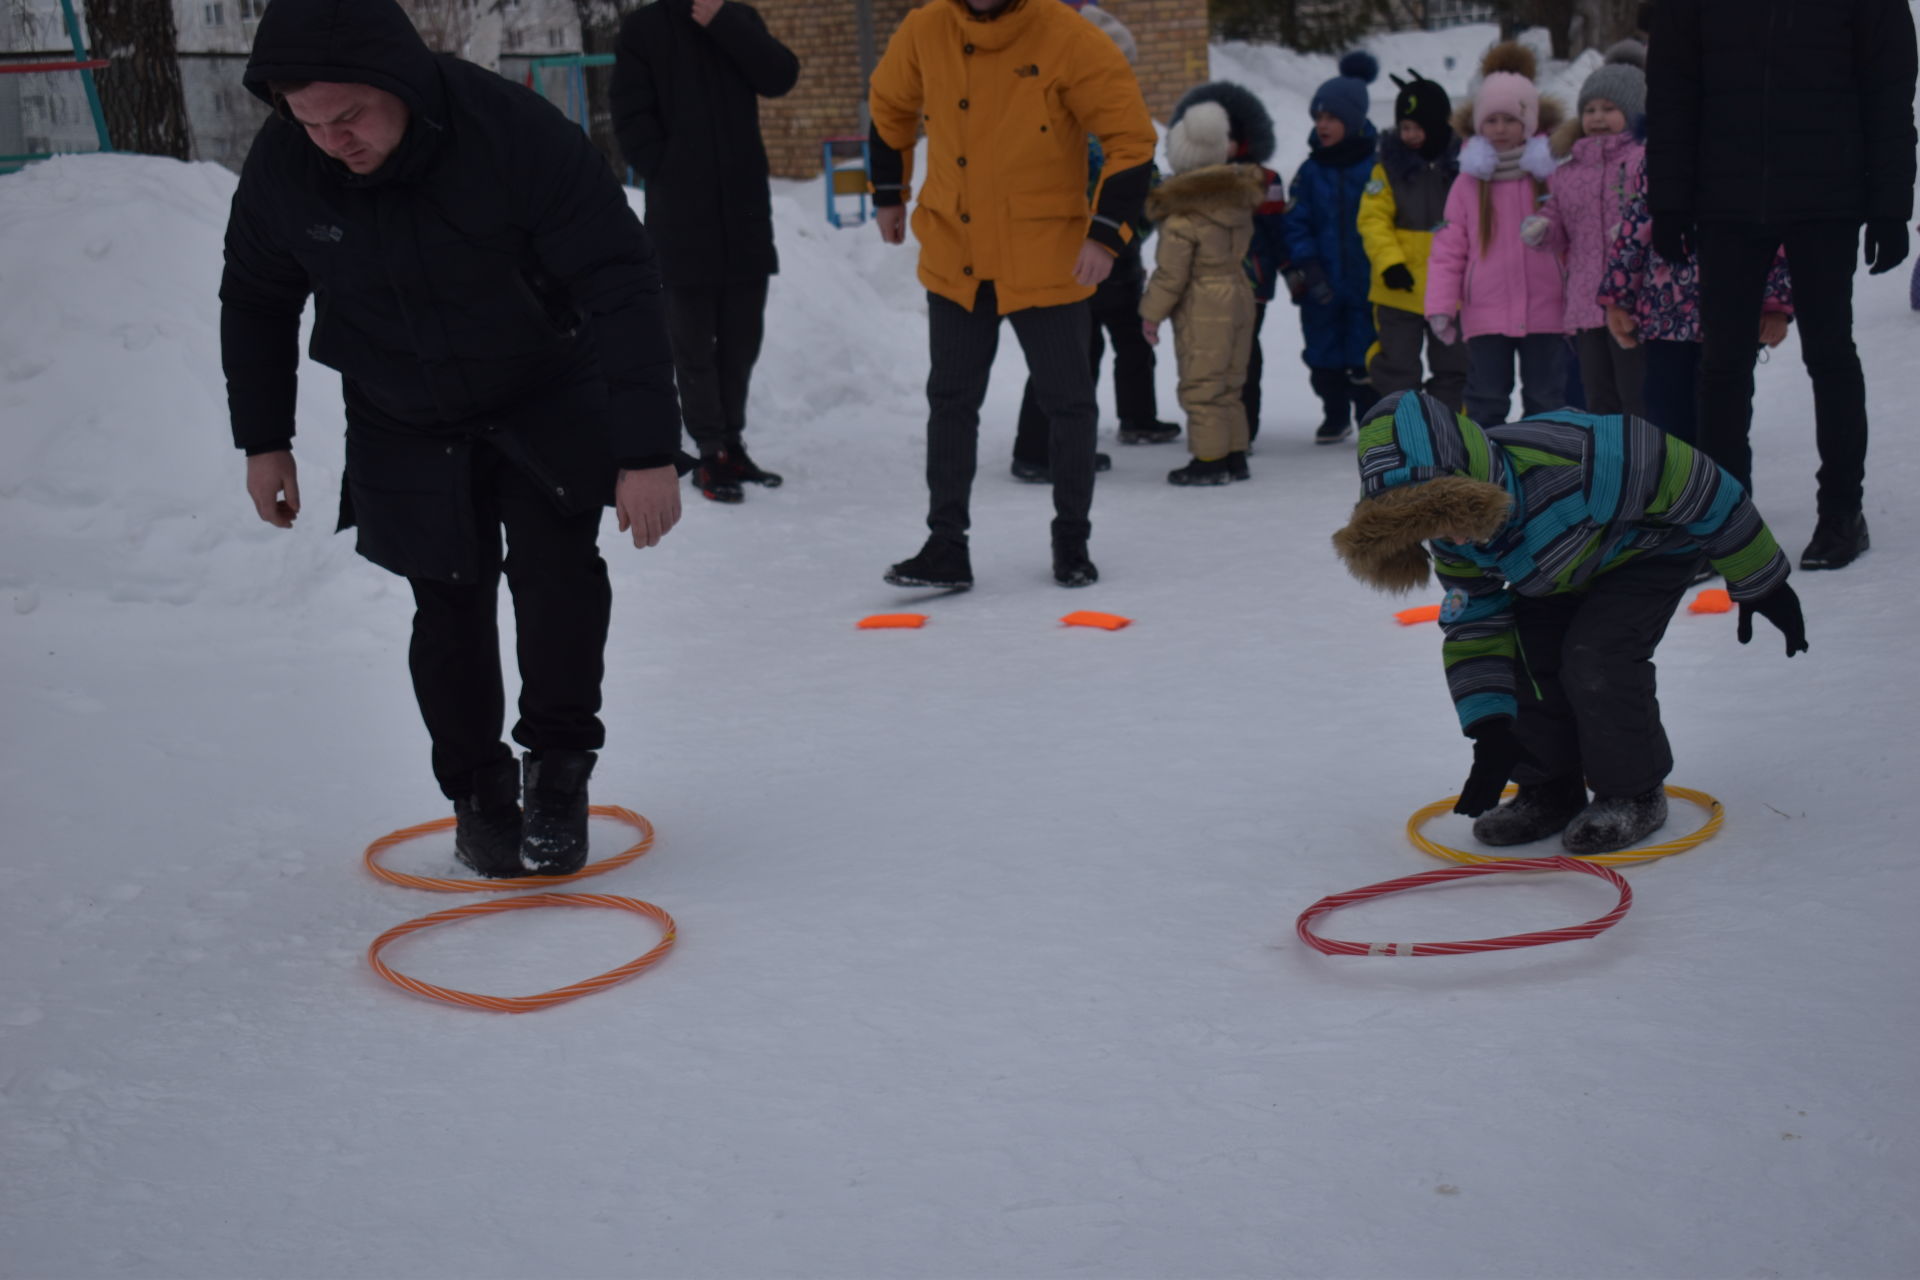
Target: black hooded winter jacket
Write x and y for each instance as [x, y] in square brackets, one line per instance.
[1781, 110]
[489, 280]
[686, 109]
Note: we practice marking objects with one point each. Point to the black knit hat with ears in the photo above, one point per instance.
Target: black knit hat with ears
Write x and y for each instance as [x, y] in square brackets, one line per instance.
[1423, 102]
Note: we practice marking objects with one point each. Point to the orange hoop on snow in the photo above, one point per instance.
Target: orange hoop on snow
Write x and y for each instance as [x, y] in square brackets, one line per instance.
[526, 1004]
[441, 884]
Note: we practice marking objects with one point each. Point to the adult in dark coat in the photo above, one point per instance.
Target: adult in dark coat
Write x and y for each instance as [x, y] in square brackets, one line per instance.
[1783, 122]
[493, 307]
[687, 79]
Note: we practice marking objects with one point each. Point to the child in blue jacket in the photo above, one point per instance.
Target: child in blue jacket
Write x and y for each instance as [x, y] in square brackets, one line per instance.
[1323, 243]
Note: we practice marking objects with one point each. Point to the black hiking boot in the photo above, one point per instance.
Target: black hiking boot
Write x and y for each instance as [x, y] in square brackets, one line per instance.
[715, 479]
[1071, 567]
[1534, 814]
[941, 563]
[553, 840]
[486, 834]
[1237, 465]
[741, 468]
[1837, 542]
[1612, 823]
[1149, 432]
[1218, 471]
[1041, 473]
[1332, 432]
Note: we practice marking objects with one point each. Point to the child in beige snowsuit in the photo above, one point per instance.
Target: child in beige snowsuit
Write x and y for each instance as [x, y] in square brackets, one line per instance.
[1204, 217]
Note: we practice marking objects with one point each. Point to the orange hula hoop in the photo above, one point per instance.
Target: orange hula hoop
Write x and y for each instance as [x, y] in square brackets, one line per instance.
[441, 884]
[546, 999]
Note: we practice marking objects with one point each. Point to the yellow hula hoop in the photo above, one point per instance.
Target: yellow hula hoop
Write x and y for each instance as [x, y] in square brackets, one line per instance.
[1716, 815]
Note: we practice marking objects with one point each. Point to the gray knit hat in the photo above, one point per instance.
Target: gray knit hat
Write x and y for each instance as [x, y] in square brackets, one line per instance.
[1622, 80]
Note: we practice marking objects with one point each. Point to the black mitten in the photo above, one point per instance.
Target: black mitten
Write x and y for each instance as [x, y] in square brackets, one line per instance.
[1398, 277]
[1495, 752]
[1781, 607]
[1886, 245]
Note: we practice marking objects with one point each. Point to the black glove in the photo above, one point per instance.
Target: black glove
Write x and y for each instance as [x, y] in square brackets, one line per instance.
[1314, 279]
[1495, 752]
[1886, 244]
[1398, 277]
[1673, 237]
[1782, 608]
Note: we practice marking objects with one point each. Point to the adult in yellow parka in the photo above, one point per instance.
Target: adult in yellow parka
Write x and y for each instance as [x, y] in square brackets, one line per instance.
[1008, 92]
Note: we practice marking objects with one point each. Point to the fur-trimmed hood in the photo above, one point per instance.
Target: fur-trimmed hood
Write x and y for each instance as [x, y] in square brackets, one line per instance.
[1568, 137]
[1217, 189]
[1427, 474]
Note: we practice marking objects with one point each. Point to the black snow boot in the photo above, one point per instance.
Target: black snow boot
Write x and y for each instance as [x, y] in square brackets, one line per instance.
[1197, 472]
[1535, 813]
[1149, 432]
[1237, 465]
[1837, 542]
[941, 563]
[554, 841]
[715, 479]
[1042, 473]
[1071, 567]
[486, 835]
[1613, 823]
[741, 468]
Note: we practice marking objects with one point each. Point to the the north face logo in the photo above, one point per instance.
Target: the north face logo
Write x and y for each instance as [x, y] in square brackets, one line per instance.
[325, 233]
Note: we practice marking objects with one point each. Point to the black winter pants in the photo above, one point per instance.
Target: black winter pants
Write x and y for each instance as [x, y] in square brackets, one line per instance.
[1256, 365]
[1587, 704]
[1735, 258]
[561, 603]
[716, 334]
[1673, 388]
[1115, 308]
[963, 345]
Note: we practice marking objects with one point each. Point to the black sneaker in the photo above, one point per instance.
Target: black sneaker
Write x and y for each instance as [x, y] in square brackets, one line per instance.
[1237, 465]
[941, 563]
[715, 479]
[742, 469]
[1149, 432]
[1837, 542]
[1071, 567]
[1612, 823]
[1332, 432]
[1040, 473]
[487, 828]
[1198, 473]
[553, 839]
[1535, 813]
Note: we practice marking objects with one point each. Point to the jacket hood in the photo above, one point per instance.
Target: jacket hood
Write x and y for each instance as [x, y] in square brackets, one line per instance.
[1250, 122]
[1402, 161]
[1568, 139]
[1217, 189]
[1426, 473]
[345, 42]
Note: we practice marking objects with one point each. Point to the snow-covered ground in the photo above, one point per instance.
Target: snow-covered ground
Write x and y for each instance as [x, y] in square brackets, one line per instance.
[987, 965]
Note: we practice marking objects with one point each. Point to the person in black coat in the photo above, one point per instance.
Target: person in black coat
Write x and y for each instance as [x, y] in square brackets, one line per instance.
[687, 79]
[1783, 122]
[493, 307]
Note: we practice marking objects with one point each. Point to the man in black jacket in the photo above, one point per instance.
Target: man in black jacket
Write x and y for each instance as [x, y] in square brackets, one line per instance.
[687, 79]
[492, 305]
[1783, 122]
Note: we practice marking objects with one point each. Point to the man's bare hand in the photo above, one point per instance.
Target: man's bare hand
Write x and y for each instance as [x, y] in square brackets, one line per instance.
[703, 11]
[1095, 264]
[892, 221]
[269, 477]
[648, 502]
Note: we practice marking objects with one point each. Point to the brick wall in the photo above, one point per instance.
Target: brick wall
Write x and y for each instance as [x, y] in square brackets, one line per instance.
[824, 35]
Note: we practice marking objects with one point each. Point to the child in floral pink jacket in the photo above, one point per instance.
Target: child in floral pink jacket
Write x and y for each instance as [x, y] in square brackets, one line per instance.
[1583, 211]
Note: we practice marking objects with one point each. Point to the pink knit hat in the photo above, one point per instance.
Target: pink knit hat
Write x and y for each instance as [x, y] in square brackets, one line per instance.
[1506, 93]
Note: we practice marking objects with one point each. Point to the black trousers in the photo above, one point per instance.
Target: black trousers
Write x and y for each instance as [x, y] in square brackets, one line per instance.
[1115, 313]
[1673, 388]
[1735, 258]
[1587, 703]
[561, 602]
[963, 344]
[1543, 375]
[1613, 377]
[716, 334]
[1256, 364]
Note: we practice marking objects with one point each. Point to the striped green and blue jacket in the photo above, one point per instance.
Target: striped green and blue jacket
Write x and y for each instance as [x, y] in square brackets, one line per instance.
[1589, 494]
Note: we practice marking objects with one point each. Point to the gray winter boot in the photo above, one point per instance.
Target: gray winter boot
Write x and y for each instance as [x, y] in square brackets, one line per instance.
[1612, 823]
[1534, 814]
[555, 839]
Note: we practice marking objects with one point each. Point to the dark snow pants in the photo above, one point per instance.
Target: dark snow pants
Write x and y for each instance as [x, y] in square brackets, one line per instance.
[561, 603]
[1673, 388]
[1587, 703]
[1543, 375]
[1396, 364]
[1735, 259]
[716, 335]
[1115, 314]
[963, 344]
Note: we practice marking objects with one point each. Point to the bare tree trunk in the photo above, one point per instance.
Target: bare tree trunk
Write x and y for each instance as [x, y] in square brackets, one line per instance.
[145, 106]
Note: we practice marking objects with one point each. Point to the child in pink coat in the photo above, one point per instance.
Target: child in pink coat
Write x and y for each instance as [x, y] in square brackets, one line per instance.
[1483, 282]
[1582, 214]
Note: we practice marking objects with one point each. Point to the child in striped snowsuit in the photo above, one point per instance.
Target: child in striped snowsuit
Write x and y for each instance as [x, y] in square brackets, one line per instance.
[1565, 542]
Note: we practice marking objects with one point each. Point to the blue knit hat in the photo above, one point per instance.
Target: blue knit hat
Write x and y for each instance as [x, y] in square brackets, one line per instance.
[1345, 97]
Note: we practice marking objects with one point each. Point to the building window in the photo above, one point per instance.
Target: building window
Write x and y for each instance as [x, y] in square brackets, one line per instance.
[216, 14]
[553, 37]
[250, 10]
